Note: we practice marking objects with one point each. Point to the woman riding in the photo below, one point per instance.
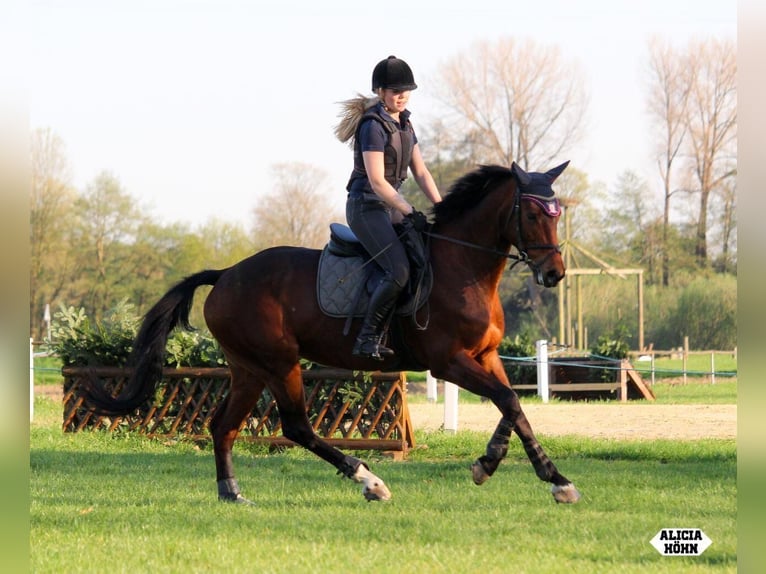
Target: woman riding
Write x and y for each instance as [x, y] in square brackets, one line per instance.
[385, 146]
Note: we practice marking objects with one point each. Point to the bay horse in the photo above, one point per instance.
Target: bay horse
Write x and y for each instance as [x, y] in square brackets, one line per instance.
[264, 313]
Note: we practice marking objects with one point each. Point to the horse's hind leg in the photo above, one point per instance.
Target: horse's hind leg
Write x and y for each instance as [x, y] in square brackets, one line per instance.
[224, 426]
[297, 427]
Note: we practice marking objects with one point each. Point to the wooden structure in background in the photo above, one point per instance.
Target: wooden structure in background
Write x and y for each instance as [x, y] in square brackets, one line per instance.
[581, 379]
[568, 336]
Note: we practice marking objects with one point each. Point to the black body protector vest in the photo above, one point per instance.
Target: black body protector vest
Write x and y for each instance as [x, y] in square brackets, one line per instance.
[396, 154]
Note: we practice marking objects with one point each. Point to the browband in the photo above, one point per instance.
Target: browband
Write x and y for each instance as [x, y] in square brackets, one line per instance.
[551, 207]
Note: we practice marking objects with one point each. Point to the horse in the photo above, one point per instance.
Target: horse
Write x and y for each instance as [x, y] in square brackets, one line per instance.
[264, 313]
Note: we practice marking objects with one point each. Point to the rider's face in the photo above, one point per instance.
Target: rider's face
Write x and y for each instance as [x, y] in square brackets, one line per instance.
[396, 100]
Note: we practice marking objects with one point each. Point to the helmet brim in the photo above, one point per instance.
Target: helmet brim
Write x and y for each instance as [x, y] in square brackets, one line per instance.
[401, 87]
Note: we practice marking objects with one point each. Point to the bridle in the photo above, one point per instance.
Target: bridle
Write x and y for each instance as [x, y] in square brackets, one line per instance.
[550, 208]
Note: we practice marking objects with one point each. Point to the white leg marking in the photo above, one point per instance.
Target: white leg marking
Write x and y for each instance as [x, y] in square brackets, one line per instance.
[374, 488]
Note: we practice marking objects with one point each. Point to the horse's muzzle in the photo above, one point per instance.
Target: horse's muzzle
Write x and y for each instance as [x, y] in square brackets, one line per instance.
[550, 278]
[550, 270]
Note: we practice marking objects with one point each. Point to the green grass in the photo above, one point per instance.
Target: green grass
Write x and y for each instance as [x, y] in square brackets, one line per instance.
[691, 393]
[48, 371]
[696, 366]
[124, 503]
[723, 393]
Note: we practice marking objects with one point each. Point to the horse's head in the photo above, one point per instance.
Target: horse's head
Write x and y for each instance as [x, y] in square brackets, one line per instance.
[532, 225]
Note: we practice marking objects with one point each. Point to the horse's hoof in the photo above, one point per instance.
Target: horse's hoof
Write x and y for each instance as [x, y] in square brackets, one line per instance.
[376, 491]
[373, 488]
[566, 494]
[236, 499]
[480, 475]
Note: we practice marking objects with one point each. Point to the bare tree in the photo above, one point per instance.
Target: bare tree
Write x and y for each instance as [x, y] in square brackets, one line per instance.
[297, 212]
[668, 96]
[514, 101]
[50, 205]
[727, 261]
[712, 125]
[693, 100]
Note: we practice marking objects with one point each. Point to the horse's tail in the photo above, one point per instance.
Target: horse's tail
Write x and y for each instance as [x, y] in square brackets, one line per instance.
[148, 354]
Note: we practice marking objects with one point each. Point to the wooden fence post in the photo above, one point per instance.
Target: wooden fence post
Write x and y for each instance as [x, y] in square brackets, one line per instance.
[624, 365]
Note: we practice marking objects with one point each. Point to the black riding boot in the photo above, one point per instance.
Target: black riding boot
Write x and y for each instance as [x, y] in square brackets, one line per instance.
[368, 342]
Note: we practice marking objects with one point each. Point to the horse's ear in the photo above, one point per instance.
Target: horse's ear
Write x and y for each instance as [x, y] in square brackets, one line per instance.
[521, 176]
[556, 171]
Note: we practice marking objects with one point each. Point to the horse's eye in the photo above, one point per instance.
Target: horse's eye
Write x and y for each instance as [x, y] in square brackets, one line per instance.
[532, 216]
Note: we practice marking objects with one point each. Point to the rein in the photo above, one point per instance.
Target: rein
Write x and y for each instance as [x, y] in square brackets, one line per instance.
[522, 256]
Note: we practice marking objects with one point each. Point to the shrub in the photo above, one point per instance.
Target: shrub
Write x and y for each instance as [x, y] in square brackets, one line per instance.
[80, 342]
[613, 345]
[706, 312]
[519, 372]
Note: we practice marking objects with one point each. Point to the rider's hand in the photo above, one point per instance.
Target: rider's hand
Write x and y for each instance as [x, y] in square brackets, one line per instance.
[418, 219]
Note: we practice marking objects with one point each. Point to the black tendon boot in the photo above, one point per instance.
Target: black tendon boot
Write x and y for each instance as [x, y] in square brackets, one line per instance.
[368, 342]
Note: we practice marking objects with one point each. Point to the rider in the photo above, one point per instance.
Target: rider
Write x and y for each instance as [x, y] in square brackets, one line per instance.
[385, 145]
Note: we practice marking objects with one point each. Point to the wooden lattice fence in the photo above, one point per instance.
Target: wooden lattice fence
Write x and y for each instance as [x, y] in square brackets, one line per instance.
[349, 409]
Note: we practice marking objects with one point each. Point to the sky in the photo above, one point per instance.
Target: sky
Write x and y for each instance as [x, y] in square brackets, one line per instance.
[190, 104]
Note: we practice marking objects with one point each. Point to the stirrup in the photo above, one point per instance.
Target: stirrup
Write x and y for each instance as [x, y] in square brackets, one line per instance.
[369, 346]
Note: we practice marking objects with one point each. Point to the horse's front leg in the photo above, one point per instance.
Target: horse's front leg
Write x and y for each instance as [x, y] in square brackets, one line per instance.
[486, 465]
[562, 488]
[488, 379]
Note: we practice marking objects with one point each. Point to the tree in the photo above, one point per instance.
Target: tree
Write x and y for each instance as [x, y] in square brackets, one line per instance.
[668, 96]
[693, 99]
[705, 310]
[514, 101]
[727, 260]
[712, 125]
[225, 243]
[163, 255]
[50, 211]
[109, 219]
[297, 211]
[632, 229]
[444, 172]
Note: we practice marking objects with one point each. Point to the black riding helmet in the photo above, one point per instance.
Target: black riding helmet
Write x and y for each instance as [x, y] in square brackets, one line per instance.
[393, 74]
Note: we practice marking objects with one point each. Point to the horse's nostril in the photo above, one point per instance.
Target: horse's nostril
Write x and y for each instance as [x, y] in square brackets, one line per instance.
[553, 277]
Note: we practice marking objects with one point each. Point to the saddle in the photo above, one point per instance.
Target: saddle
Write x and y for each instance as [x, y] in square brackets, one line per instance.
[348, 276]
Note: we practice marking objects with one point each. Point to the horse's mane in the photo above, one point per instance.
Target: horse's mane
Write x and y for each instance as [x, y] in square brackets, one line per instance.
[468, 191]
